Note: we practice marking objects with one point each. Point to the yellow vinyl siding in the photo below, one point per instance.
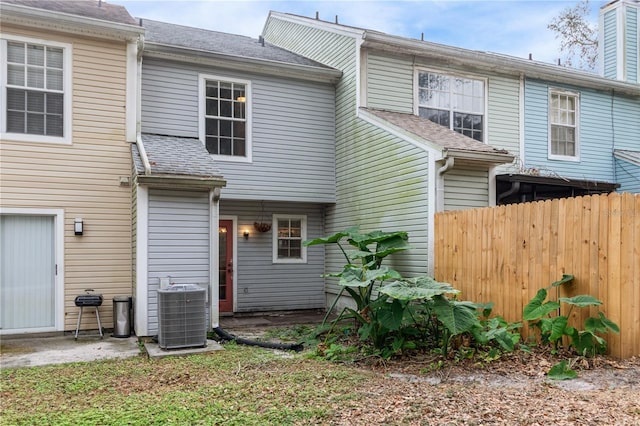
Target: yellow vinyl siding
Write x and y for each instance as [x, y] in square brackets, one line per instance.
[82, 178]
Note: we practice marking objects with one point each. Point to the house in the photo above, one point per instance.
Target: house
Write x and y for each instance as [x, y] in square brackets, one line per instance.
[67, 122]
[394, 169]
[233, 169]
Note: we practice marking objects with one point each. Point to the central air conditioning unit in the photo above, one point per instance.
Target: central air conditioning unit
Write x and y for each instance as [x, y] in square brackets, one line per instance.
[182, 316]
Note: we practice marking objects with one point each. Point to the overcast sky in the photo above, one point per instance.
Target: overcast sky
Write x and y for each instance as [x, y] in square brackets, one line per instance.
[512, 27]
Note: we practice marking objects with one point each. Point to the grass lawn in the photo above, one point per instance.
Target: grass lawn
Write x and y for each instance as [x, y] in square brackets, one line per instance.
[238, 386]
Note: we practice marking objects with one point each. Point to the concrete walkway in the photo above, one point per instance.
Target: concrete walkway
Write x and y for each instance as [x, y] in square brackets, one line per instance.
[60, 349]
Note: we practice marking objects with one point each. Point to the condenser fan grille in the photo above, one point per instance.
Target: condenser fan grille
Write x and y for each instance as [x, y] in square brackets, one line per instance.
[182, 316]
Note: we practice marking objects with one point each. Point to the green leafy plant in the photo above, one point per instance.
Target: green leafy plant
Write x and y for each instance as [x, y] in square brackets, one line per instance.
[562, 371]
[586, 341]
[396, 313]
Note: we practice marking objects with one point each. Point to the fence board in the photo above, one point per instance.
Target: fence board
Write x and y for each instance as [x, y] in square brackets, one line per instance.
[505, 254]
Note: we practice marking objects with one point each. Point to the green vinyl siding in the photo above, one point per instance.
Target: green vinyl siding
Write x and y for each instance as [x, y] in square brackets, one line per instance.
[389, 83]
[381, 180]
[503, 118]
[466, 188]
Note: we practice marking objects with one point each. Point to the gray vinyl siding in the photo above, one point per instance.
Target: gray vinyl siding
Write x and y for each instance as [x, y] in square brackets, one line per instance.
[381, 180]
[389, 82]
[292, 124]
[466, 188]
[628, 176]
[610, 47]
[266, 286]
[178, 243]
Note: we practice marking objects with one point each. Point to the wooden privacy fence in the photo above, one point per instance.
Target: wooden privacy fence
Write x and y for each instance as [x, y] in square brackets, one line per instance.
[505, 254]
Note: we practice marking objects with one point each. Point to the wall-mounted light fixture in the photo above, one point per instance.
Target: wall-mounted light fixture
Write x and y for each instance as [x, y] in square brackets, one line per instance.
[245, 234]
[78, 226]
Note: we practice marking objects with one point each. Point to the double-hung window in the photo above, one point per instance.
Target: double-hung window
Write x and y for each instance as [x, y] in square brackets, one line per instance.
[563, 125]
[289, 231]
[35, 103]
[454, 102]
[224, 127]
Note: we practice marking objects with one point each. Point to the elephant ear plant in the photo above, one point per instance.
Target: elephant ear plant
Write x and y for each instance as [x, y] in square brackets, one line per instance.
[553, 327]
[392, 312]
[363, 269]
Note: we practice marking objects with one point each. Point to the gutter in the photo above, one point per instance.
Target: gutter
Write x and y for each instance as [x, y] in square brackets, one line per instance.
[182, 182]
[487, 157]
[448, 165]
[495, 62]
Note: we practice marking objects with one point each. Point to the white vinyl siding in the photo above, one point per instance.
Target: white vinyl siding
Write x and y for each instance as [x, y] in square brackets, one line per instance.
[27, 272]
[36, 87]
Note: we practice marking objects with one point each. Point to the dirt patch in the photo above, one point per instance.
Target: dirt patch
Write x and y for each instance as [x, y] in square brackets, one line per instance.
[418, 390]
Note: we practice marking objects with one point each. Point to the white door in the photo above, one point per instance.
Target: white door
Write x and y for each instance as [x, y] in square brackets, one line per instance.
[27, 272]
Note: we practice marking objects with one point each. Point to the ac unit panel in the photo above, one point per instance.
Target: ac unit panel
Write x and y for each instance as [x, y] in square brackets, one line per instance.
[182, 316]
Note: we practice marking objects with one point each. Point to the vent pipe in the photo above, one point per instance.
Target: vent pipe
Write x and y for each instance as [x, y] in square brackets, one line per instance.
[317, 15]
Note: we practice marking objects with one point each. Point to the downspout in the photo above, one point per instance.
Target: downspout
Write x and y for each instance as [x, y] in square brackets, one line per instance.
[143, 156]
[515, 187]
[214, 250]
[141, 150]
[440, 183]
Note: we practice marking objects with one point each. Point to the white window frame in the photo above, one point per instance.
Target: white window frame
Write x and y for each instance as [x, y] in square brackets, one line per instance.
[303, 237]
[202, 108]
[550, 154]
[67, 92]
[485, 80]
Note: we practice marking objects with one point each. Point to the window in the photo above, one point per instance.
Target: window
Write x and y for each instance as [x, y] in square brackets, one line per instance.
[35, 105]
[224, 126]
[563, 125]
[453, 102]
[288, 234]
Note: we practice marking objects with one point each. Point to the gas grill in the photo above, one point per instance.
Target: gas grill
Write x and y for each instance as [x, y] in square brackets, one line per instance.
[89, 300]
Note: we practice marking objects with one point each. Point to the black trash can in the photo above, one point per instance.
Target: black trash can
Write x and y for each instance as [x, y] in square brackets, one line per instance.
[121, 316]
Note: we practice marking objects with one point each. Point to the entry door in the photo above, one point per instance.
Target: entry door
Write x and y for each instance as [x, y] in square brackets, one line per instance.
[27, 272]
[225, 265]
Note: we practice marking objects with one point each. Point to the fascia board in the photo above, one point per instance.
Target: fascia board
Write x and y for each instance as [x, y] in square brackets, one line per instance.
[179, 182]
[493, 62]
[317, 23]
[67, 23]
[485, 157]
[626, 157]
[241, 63]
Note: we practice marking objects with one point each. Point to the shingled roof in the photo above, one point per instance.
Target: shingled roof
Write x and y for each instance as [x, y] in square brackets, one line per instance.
[222, 43]
[435, 133]
[175, 156]
[95, 9]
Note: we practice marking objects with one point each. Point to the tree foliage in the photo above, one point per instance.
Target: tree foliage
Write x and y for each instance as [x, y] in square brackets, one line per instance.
[578, 36]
